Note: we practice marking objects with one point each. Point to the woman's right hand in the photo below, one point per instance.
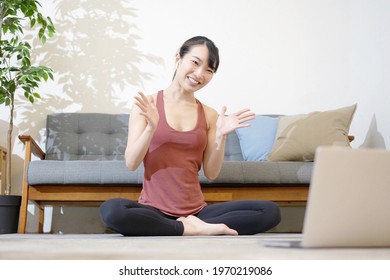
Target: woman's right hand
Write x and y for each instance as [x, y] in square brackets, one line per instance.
[148, 109]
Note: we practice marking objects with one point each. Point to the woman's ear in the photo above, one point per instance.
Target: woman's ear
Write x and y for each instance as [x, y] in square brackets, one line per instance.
[177, 60]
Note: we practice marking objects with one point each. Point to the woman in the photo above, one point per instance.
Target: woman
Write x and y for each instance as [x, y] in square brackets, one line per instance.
[174, 134]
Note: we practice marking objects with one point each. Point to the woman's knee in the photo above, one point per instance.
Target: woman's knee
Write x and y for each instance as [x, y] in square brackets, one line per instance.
[110, 210]
[272, 211]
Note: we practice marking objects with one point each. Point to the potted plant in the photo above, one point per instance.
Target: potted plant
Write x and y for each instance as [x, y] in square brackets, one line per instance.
[18, 76]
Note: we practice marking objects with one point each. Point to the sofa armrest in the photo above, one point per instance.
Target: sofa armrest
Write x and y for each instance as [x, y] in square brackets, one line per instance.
[32, 146]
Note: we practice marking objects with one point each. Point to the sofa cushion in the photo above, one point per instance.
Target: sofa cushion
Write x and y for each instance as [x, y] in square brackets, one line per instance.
[59, 172]
[86, 136]
[262, 172]
[257, 140]
[233, 148]
[55, 172]
[286, 121]
[299, 140]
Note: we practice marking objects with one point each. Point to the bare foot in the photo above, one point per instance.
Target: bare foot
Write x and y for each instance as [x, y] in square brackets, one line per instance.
[195, 226]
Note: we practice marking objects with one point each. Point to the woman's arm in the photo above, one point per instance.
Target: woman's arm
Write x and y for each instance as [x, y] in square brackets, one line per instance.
[219, 127]
[215, 149]
[143, 121]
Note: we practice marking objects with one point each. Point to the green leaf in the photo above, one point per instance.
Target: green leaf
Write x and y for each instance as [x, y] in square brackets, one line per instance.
[44, 24]
[29, 13]
[32, 22]
[27, 45]
[40, 18]
[41, 32]
[11, 28]
[26, 90]
[50, 33]
[4, 28]
[31, 99]
[24, 8]
[36, 94]
[45, 76]
[12, 86]
[26, 62]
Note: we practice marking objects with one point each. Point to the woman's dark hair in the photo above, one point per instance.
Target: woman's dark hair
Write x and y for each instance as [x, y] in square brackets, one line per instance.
[213, 62]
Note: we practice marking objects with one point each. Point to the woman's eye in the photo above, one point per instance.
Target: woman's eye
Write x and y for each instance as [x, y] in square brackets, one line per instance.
[194, 62]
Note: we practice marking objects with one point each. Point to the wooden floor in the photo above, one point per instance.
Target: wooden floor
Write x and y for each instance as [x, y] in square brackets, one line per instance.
[117, 247]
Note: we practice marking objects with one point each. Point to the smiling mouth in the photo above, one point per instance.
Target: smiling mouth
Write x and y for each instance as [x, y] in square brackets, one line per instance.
[192, 80]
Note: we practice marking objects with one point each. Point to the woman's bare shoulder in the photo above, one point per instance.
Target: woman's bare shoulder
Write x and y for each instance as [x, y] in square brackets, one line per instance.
[208, 109]
[210, 113]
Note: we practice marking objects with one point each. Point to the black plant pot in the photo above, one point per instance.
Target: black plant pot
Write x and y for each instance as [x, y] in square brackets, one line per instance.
[9, 213]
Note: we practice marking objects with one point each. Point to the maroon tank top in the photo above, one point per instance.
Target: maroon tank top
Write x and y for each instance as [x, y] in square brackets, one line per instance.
[172, 163]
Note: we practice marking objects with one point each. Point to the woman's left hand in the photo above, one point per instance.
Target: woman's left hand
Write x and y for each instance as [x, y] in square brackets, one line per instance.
[226, 124]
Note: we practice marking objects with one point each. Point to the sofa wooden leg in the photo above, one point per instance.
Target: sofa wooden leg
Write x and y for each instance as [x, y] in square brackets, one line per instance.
[23, 216]
[41, 218]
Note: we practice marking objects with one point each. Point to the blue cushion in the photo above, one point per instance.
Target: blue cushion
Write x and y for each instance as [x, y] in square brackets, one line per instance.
[257, 140]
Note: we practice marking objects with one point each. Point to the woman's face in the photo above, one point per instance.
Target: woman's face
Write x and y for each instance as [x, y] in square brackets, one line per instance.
[193, 71]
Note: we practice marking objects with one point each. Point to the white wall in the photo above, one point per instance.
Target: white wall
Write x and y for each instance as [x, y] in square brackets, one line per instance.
[278, 56]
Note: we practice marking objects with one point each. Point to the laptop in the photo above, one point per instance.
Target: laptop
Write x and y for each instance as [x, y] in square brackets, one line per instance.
[348, 202]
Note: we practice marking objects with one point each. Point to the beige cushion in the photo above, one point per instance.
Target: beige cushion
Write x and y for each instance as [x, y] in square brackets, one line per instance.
[299, 136]
[286, 121]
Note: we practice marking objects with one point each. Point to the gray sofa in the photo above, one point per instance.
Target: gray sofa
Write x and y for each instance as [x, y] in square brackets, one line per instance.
[83, 164]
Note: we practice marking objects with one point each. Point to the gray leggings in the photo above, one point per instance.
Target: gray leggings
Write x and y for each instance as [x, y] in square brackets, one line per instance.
[131, 218]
